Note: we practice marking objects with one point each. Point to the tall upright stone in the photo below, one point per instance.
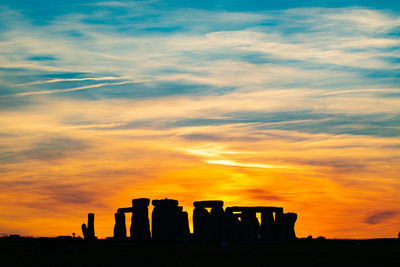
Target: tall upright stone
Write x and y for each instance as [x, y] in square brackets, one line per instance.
[289, 222]
[165, 219]
[201, 219]
[84, 231]
[206, 224]
[267, 226]
[140, 225]
[279, 228]
[232, 228]
[120, 226]
[90, 226]
[251, 226]
[217, 223]
[88, 230]
[183, 231]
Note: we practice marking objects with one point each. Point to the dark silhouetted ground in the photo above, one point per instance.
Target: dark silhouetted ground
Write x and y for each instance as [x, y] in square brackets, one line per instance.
[303, 252]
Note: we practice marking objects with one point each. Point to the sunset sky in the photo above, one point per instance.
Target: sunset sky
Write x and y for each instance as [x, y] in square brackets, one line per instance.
[294, 104]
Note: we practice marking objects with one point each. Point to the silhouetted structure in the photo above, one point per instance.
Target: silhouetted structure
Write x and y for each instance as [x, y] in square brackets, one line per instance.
[88, 231]
[120, 226]
[251, 226]
[169, 222]
[279, 228]
[289, 221]
[183, 225]
[140, 225]
[208, 225]
[210, 222]
[267, 226]
[232, 226]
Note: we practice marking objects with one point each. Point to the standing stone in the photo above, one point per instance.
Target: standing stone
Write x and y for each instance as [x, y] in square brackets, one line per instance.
[165, 219]
[267, 226]
[84, 231]
[279, 229]
[231, 225]
[88, 231]
[120, 226]
[239, 232]
[201, 218]
[90, 226]
[183, 231]
[289, 222]
[208, 226]
[251, 226]
[217, 223]
[197, 213]
[140, 225]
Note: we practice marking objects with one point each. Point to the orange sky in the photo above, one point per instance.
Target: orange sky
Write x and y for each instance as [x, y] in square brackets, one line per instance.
[341, 186]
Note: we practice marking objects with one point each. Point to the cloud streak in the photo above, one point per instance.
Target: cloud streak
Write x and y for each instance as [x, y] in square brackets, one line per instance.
[54, 91]
[240, 164]
[74, 80]
[380, 217]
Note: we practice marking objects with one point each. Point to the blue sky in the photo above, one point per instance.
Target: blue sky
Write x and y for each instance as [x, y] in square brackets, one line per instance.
[234, 83]
[332, 51]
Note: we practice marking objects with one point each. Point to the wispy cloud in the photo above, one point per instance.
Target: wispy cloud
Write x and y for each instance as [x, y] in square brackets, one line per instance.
[75, 79]
[110, 4]
[95, 126]
[53, 91]
[122, 53]
[381, 90]
[380, 217]
[240, 164]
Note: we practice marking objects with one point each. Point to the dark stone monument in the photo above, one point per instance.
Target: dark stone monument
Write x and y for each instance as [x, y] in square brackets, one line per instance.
[248, 228]
[217, 222]
[289, 219]
[183, 231]
[170, 222]
[88, 231]
[200, 223]
[120, 226]
[208, 226]
[232, 230]
[250, 224]
[90, 226]
[267, 226]
[279, 228]
[140, 225]
[165, 219]
[84, 231]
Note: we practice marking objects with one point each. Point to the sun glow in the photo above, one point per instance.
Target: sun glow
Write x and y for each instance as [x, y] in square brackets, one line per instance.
[251, 165]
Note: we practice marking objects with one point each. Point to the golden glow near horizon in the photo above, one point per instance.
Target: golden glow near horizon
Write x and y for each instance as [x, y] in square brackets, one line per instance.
[336, 183]
[102, 103]
[251, 165]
